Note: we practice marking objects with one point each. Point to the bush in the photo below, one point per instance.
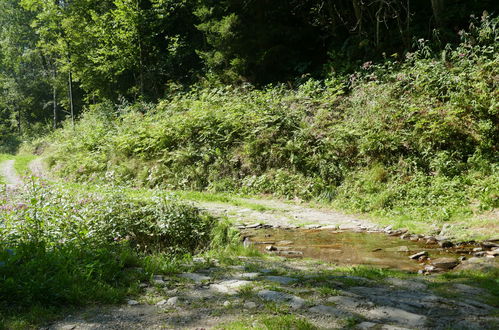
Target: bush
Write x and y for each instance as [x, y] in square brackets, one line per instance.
[59, 248]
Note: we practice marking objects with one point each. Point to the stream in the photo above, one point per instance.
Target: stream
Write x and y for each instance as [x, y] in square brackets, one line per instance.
[348, 248]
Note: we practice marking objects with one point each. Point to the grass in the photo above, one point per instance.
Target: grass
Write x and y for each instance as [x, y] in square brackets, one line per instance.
[21, 164]
[281, 322]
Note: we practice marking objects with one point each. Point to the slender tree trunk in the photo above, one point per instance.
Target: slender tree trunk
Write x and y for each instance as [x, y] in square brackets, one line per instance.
[71, 98]
[19, 119]
[438, 7]
[357, 6]
[54, 94]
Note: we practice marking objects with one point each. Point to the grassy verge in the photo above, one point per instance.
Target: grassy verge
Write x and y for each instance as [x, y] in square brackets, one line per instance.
[21, 164]
[68, 248]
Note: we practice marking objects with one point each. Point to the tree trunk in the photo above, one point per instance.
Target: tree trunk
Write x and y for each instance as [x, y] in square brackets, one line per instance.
[54, 94]
[71, 98]
[357, 7]
[438, 7]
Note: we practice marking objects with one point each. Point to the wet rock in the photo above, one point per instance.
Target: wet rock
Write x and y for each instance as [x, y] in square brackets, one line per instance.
[285, 242]
[132, 302]
[270, 248]
[290, 253]
[418, 255]
[198, 278]
[445, 263]
[480, 264]
[477, 249]
[226, 303]
[493, 253]
[479, 254]
[431, 240]
[430, 268]
[293, 301]
[329, 227]
[347, 226]
[281, 279]
[404, 236]
[445, 244]
[489, 245]
[161, 303]
[312, 226]
[414, 238]
[254, 226]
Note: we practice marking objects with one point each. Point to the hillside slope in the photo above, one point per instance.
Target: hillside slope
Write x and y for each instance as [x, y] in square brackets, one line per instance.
[413, 141]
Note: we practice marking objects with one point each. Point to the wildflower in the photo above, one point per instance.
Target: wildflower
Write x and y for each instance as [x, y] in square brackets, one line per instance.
[367, 65]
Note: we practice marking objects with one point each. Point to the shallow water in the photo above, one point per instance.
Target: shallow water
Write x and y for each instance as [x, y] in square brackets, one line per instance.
[345, 248]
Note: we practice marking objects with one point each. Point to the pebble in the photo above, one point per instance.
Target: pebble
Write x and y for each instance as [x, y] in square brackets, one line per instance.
[418, 255]
[445, 263]
[227, 303]
[250, 305]
[132, 302]
[445, 244]
[173, 301]
[431, 240]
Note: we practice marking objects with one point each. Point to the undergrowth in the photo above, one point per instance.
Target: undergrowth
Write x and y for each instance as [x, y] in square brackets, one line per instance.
[414, 139]
[60, 249]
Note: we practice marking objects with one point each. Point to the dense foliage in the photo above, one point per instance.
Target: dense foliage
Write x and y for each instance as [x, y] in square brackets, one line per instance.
[418, 136]
[58, 247]
[56, 57]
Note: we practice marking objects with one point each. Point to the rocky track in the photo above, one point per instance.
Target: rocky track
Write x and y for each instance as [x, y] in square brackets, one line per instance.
[214, 295]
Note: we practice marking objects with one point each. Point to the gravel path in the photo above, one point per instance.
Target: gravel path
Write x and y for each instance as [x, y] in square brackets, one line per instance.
[9, 173]
[277, 213]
